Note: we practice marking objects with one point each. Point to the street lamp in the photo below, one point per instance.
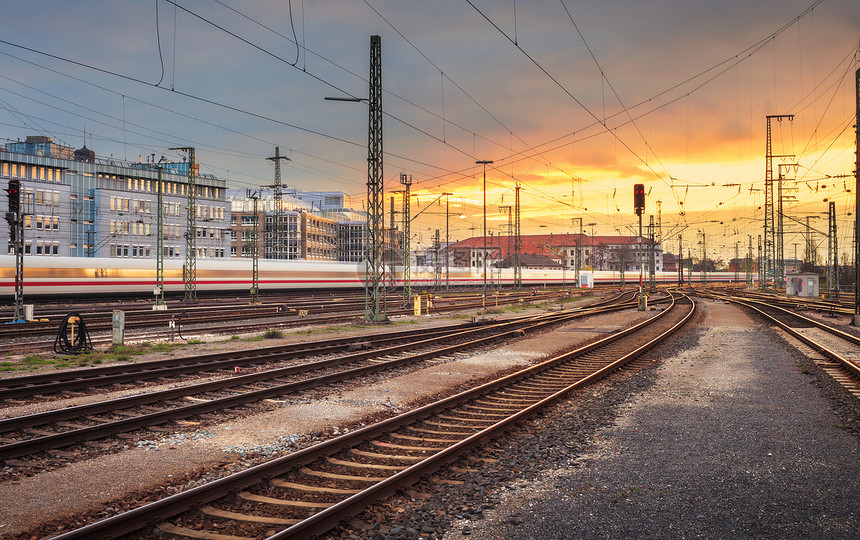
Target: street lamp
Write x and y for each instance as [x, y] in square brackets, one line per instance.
[485, 163]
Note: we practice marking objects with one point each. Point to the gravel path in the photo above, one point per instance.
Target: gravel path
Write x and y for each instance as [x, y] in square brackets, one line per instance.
[732, 440]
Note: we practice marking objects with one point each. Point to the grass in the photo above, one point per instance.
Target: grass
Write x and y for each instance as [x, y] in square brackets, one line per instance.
[273, 333]
[117, 353]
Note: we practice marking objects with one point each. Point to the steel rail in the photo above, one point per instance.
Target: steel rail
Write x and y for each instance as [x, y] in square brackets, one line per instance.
[30, 385]
[154, 512]
[849, 365]
[57, 440]
[192, 327]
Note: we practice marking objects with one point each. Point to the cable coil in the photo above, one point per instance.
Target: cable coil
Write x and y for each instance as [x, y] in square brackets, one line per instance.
[80, 340]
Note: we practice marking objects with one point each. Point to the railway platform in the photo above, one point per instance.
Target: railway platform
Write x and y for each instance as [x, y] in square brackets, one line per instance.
[737, 436]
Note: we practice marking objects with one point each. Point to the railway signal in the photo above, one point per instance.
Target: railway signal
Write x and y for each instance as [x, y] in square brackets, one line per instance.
[16, 241]
[639, 198]
[639, 207]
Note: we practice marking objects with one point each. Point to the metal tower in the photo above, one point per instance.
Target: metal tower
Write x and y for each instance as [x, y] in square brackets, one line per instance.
[857, 201]
[406, 180]
[749, 264]
[189, 270]
[159, 246]
[278, 223]
[832, 252]
[374, 293]
[769, 225]
[518, 242]
[392, 241]
[652, 255]
[255, 250]
[437, 262]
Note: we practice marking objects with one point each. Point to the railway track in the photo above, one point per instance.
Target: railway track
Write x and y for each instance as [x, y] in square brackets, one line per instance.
[24, 436]
[146, 325]
[840, 351]
[308, 492]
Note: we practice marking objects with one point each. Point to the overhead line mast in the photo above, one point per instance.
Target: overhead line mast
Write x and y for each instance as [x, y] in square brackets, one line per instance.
[374, 305]
[189, 270]
[278, 225]
[770, 237]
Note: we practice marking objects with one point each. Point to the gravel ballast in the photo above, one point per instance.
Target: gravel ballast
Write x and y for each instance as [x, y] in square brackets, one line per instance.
[738, 436]
[99, 487]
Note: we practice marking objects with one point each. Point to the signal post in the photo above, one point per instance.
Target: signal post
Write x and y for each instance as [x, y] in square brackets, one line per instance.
[639, 207]
[15, 219]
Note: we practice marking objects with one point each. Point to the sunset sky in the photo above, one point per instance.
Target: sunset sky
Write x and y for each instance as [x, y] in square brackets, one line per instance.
[574, 100]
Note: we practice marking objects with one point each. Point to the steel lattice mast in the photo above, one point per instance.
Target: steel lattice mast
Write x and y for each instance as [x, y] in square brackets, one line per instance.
[770, 254]
[832, 252]
[857, 201]
[406, 180]
[518, 243]
[374, 304]
[277, 192]
[159, 245]
[255, 249]
[189, 270]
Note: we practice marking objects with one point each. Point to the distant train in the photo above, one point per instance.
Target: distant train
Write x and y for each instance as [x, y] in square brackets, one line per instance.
[73, 276]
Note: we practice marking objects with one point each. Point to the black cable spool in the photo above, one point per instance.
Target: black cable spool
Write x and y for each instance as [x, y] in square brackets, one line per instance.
[80, 340]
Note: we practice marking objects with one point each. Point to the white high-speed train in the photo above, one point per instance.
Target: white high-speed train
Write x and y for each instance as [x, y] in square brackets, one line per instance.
[80, 276]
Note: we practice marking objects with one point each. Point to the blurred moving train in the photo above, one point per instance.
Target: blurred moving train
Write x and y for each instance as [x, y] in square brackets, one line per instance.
[75, 276]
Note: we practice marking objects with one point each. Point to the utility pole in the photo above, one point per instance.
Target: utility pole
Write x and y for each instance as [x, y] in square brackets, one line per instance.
[484, 258]
[159, 244]
[809, 252]
[832, 252]
[189, 270]
[761, 283]
[769, 228]
[749, 264]
[518, 244]
[680, 260]
[737, 260]
[437, 263]
[447, 243]
[255, 252]
[509, 211]
[406, 180]
[278, 224]
[704, 260]
[392, 241]
[689, 267]
[578, 252]
[652, 253]
[856, 320]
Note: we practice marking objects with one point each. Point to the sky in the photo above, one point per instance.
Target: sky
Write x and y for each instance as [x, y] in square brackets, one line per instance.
[574, 101]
